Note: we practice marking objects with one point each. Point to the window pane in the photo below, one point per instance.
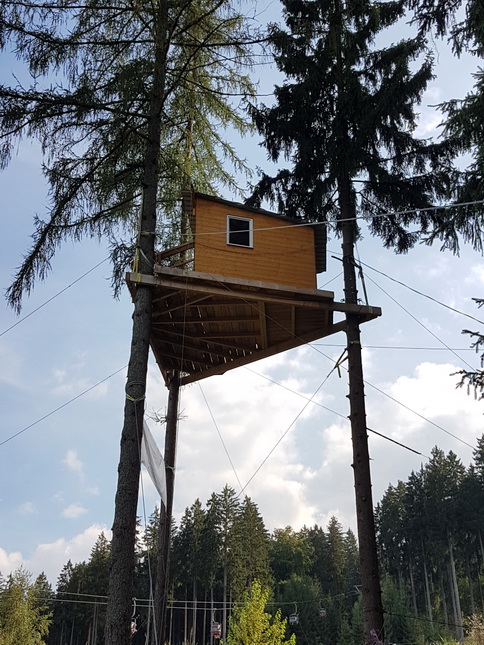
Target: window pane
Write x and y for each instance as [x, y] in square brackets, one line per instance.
[240, 231]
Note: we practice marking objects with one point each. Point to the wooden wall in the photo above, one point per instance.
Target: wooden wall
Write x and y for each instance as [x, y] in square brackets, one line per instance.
[283, 255]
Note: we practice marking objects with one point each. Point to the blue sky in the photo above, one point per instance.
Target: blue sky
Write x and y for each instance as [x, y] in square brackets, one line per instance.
[58, 478]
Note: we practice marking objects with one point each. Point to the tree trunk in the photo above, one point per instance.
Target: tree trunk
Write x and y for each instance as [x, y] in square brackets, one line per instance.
[224, 601]
[428, 601]
[164, 533]
[120, 592]
[444, 601]
[469, 582]
[368, 556]
[455, 594]
[412, 586]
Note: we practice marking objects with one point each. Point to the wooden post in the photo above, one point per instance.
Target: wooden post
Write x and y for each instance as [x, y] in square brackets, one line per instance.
[164, 534]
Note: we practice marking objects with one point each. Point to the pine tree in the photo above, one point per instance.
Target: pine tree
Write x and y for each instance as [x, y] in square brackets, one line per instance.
[343, 119]
[290, 553]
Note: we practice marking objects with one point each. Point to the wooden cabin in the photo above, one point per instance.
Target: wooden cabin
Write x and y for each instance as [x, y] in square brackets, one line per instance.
[235, 241]
[241, 289]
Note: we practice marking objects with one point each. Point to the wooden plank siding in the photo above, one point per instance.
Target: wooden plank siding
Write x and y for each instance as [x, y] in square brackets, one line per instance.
[282, 254]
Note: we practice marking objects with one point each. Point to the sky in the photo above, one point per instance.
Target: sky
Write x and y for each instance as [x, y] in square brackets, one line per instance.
[277, 429]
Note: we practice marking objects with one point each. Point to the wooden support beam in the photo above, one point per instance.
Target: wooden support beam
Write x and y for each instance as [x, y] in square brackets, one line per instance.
[257, 355]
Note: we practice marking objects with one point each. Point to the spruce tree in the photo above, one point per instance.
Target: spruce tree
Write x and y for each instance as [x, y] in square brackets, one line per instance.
[343, 120]
[250, 550]
[224, 508]
[460, 24]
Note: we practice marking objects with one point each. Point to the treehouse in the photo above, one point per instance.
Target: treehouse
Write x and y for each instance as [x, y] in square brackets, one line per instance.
[243, 288]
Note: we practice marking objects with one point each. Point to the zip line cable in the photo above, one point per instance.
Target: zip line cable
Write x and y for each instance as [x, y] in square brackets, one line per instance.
[424, 295]
[406, 407]
[221, 439]
[53, 297]
[78, 396]
[364, 381]
[421, 324]
[284, 434]
[342, 416]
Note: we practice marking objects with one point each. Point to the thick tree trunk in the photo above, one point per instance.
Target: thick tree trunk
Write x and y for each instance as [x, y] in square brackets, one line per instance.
[368, 556]
[120, 592]
[370, 577]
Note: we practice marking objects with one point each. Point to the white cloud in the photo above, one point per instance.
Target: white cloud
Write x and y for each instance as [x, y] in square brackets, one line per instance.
[72, 461]
[73, 511]
[27, 508]
[69, 386]
[9, 561]
[51, 557]
[477, 272]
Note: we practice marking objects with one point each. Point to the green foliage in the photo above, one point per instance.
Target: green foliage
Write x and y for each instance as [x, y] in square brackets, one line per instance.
[400, 625]
[92, 123]
[460, 23]
[475, 630]
[290, 553]
[430, 531]
[24, 614]
[250, 624]
[344, 120]
[250, 552]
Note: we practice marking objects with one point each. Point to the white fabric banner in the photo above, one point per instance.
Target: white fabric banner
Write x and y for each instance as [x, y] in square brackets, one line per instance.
[153, 461]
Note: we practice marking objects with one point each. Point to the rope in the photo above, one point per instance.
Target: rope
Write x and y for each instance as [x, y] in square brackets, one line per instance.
[132, 398]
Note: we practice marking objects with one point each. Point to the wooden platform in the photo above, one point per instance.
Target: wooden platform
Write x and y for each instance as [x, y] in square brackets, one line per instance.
[206, 324]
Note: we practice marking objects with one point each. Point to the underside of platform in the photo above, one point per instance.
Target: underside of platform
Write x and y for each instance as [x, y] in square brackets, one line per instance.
[206, 324]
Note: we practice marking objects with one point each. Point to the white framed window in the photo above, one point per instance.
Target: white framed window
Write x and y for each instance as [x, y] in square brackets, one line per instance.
[240, 231]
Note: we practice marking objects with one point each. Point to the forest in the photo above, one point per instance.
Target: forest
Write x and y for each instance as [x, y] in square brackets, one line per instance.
[430, 538]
